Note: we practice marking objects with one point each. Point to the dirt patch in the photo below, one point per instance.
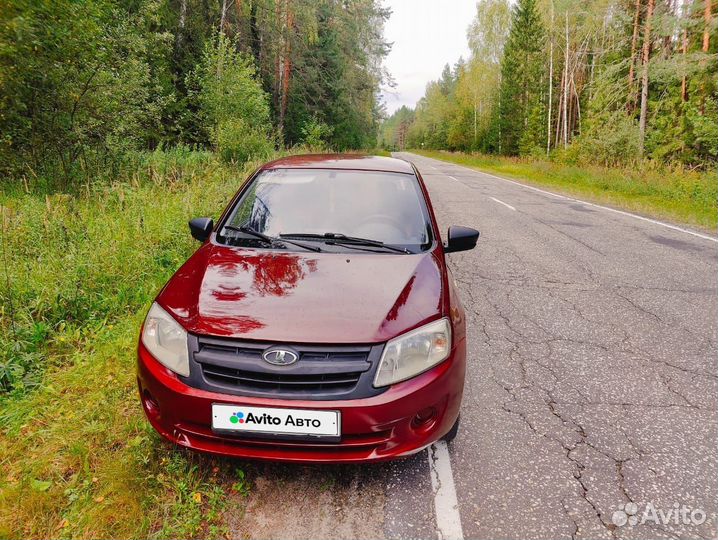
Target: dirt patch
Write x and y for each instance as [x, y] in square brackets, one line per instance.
[306, 502]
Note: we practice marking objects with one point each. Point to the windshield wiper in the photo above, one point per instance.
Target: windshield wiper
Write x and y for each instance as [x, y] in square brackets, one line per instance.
[271, 240]
[342, 239]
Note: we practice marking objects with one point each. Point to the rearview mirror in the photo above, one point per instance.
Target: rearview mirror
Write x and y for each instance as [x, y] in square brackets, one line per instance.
[201, 228]
[461, 239]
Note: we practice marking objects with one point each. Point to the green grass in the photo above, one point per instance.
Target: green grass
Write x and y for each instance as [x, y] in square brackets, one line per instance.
[677, 195]
[79, 270]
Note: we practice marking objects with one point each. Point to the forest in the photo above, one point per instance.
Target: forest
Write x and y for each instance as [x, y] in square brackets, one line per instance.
[609, 82]
[84, 86]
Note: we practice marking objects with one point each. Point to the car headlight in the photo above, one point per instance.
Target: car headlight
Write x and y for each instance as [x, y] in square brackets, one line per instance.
[414, 352]
[166, 340]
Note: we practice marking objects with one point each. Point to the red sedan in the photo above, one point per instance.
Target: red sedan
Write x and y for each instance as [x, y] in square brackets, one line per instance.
[317, 322]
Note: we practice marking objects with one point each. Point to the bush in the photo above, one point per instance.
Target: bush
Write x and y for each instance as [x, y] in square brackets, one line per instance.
[238, 142]
[233, 107]
[315, 134]
[608, 140]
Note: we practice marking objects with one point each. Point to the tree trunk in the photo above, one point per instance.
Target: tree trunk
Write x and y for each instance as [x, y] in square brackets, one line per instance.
[590, 73]
[707, 15]
[278, 60]
[238, 10]
[254, 34]
[706, 32]
[667, 48]
[565, 90]
[499, 110]
[474, 145]
[684, 80]
[223, 17]
[644, 78]
[182, 22]
[550, 86]
[287, 67]
[578, 107]
[632, 69]
[559, 115]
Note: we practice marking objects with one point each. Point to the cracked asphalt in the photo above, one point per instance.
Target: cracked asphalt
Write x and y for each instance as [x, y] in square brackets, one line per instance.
[592, 383]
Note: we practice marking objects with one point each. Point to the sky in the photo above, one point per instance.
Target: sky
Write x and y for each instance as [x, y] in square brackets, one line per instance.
[426, 35]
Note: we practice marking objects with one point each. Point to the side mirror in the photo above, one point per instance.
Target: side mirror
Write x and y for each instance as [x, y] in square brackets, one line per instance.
[201, 228]
[461, 239]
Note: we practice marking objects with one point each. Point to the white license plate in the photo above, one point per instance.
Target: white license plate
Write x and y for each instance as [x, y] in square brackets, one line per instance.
[242, 419]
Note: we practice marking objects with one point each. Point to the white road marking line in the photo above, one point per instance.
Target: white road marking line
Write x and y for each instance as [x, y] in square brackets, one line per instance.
[446, 505]
[649, 220]
[502, 202]
[525, 186]
[451, 177]
[623, 213]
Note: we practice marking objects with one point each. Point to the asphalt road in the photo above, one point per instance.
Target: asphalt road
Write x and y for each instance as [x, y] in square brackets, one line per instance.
[592, 384]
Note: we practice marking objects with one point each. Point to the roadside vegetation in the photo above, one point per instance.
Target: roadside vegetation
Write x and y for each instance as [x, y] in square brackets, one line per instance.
[677, 194]
[77, 458]
[85, 83]
[609, 99]
[607, 83]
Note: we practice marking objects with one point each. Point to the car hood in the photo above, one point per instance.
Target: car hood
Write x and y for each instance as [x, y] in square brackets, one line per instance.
[303, 297]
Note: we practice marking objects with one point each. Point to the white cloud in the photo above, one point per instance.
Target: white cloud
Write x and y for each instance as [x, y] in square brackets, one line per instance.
[426, 34]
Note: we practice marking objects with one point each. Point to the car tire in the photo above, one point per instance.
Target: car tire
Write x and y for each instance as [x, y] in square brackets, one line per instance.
[451, 434]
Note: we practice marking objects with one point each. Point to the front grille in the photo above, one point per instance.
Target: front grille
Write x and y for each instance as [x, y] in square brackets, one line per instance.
[285, 383]
[321, 371]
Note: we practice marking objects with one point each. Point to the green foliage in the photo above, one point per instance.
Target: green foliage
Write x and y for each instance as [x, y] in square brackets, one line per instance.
[498, 101]
[395, 129]
[458, 111]
[610, 139]
[238, 141]
[704, 129]
[227, 86]
[233, 108]
[75, 263]
[488, 31]
[84, 85]
[80, 270]
[336, 72]
[520, 89]
[533, 137]
[673, 193]
[77, 88]
[315, 135]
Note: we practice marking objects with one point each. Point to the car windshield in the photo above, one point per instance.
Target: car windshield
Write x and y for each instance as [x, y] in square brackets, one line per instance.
[384, 207]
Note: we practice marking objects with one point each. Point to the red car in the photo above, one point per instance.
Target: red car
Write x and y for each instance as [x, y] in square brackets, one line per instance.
[318, 321]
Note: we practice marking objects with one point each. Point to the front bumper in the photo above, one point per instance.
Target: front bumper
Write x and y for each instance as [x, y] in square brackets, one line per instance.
[373, 429]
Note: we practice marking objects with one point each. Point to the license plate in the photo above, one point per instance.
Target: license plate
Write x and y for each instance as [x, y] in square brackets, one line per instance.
[272, 421]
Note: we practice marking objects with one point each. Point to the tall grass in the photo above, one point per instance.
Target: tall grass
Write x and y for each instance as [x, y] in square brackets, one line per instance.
[75, 263]
[671, 193]
[79, 269]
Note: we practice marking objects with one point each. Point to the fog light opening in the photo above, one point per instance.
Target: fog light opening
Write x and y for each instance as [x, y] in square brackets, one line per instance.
[424, 419]
[150, 403]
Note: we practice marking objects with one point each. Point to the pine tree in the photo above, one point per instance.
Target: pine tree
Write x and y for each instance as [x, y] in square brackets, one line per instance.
[520, 92]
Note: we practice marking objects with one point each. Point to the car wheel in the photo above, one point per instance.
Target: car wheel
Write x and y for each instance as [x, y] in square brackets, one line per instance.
[451, 434]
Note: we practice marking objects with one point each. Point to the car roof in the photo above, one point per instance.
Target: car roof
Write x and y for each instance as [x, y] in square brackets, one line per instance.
[356, 162]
